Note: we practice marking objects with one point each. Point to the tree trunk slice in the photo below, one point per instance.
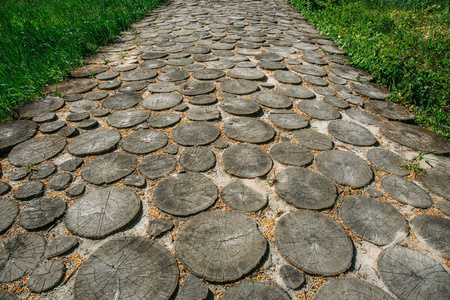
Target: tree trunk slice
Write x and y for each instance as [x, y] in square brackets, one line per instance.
[8, 212]
[349, 73]
[249, 130]
[127, 118]
[19, 255]
[240, 106]
[345, 168]
[162, 101]
[138, 74]
[4, 295]
[193, 288]
[109, 168]
[83, 106]
[161, 87]
[164, 120]
[29, 190]
[61, 245]
[36, 150]
[60, 181]
[239, 86]
[73, 86]
[291, 154]
[363, 116]
[387, 161]
[127, 268]
[248, 161]
[156, 166]
[351, 133]
[15, 132]
[220, 246]
[288, 120]
[121, 101]
[313, 140]
[157, 227]
[255, 290]
[144, 141]
[310, 70]
[411, 275]
[370, 90]
[197, 159]
[47, 276]
[350, 288]
[272, 99]
[415, 137]
[37, 107]
[314, 243]
[184, 194]
[294, 91]
[174, 76]
[94, 142]
[319, 110]
[336, 102]
[390, 110]
[195, 133]
[243, 198]
[366, 217]
[407, 192]
[246, 73]
[102, 212]
[436, 180]
[42, 212]
[203, 114]
[305, 189]
[433, 232]
[208, 74]
[42, 171]
[291, 276]
[203, 100]
[287, 77]
[151, 55]
[194, 88]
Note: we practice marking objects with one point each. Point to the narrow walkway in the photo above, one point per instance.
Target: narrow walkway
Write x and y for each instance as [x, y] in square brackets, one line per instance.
[222, 149]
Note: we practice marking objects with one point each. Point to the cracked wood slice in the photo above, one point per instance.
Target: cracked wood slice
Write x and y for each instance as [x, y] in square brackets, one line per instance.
[349, 72]
[47, 276]
[128, 267]
[351, 133]
[370, 90]
[288, 120]
[313, 140]
[173, 76]
[363, 116]
[208, 74]
[19, 255]
[127, 118]
[36, 150]
[305, 189]
[249, 130]
[203, 114]
[345, 168]
[239, 86]
[185, 194]
[194, 88]
[433, 232]
[248, 161]
[319, 110]
[291, 154]
[287, 77]
[139, 74]
[144, 141]
[8, 212]
[387, 161]
[406, 191]
[203, 100]
[83, 106]
[314, 243]
[75, 86]
[29, 190]
[272, 99]
[246, 73]
[162, 101]
[156, 166]
[241, 197]
[309, 70]
[436, 180]
[121, 101]
[94, 142]
[194, 288]
[220, 246]
[195, 133]
[255, 290]
[4, 295]
[109, 168]
[240, 106]
[15, 132]
[291, 276]
[102, 212]
[350, 288]
[415, 137]
[390, 110]
[412, 275]
[295, 91]
[42, 212]
[366, 217]
[197, 159]
[37, 107]
[61, 245]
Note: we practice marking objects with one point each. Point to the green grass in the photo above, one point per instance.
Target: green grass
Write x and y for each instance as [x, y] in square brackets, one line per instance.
[42, 40]
[404, 44]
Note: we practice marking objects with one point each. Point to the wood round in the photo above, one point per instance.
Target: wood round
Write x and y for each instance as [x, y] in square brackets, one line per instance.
[185, 194]
[36, 150]
[255, 290]
[47, 276]
[351, 133]
[291, 154]
[433, 231]
[102, 212]
[15, 132]
[197, 159]
[195, 133]
[109, 168]
[406, 191]
[220, 246]
[144, 141]
[314, 243]
[390, 110]
[8, 212]
[249, 130]
[241, 197]
[156, 166]
[41, 212]
[129, 266]
[94, 142]
[248, 161]
[436, 180]
[350, 288]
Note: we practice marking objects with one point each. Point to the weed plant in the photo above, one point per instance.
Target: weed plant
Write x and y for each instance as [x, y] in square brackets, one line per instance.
[42, 40]
[405, 44]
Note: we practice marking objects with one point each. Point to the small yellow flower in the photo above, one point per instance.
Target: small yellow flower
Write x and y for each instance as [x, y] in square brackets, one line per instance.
[369, 23]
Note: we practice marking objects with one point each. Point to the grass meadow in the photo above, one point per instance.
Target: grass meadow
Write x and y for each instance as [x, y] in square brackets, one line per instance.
[405, 44]
[42, 40]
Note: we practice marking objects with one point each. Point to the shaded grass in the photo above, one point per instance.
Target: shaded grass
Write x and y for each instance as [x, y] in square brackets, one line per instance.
[404, 44]
[42, 40]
